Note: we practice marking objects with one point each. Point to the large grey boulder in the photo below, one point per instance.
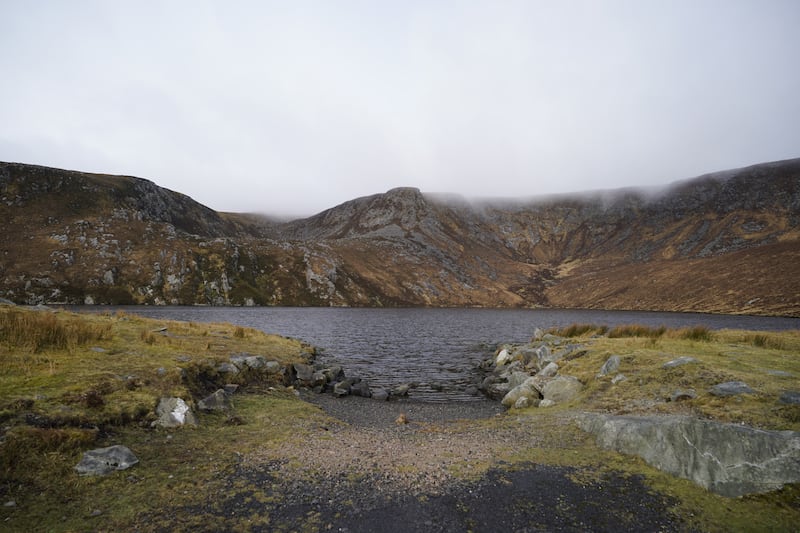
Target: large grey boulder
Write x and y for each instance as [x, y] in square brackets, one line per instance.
[174, 412]
[561, 389]
[728, 459]
[102, 461]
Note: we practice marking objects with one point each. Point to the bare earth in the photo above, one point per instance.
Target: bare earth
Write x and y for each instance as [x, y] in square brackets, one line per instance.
[439, 472]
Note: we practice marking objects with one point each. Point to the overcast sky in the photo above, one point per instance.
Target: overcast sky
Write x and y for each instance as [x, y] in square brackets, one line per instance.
[292, 107]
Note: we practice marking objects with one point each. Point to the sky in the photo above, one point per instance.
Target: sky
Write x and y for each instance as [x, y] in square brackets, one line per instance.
[289, 108]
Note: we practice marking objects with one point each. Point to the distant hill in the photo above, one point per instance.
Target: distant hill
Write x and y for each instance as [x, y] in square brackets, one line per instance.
[727, 242]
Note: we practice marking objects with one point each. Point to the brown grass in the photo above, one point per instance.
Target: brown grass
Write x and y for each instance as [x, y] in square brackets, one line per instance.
[578, 330]
[37, 331]
[636, 330]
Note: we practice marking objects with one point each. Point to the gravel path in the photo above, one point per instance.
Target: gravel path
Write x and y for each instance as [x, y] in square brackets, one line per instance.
[438, 472]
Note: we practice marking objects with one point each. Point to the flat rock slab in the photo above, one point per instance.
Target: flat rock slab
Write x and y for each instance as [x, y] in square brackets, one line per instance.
[727, 459]
[731, 388]
[680, 361]
[102, 461]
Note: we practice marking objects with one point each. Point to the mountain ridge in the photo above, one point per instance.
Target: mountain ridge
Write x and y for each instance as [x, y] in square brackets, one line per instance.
[74, 237]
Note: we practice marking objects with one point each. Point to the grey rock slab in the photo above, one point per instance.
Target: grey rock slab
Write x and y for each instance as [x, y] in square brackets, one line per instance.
[731, 388]
[790, 397]
[728, 459]
[680, 361]
[102, 461]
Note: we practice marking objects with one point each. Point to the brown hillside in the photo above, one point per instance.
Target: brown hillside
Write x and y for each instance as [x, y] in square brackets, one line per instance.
[727, 242]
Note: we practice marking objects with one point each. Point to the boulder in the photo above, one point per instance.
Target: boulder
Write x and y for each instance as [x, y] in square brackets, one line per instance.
[502, 357]
[174, 412]
[218, 401]
[245, 360]
[401, 390]
[550, 370]
[334, 373]
[273, 367]
[524, 390]
[342, 388]
[361, 389]
[561, 389]
[546, 403]
[380, 394]
[610, 366]
[227, 368]
[728, 459]
[522, 403]
[102, 461]
[731, 388]
[304, 373]
[517, 378]
[680, 361]
[497, 391]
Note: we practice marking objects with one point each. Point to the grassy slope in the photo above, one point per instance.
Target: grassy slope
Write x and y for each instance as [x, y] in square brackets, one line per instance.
[62, 395]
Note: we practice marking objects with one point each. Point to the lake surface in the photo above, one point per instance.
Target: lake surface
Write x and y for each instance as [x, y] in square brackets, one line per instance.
[437, 348]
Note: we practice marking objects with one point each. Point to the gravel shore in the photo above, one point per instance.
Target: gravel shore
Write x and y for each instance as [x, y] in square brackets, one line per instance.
[441, 471]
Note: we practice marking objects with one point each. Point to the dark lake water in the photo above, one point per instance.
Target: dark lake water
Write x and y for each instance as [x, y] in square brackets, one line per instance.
[437, 348]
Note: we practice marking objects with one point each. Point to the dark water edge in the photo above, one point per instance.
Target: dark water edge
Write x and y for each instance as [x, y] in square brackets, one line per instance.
[439, 349]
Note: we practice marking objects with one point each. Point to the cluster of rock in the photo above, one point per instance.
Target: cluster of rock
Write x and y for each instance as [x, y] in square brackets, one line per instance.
[528, 375]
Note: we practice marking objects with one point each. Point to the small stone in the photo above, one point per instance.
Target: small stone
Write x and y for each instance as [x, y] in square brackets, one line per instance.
[96, 512]
[619, 378]
[547, 403]
[402, 419]
[681, 395]
[10, 503]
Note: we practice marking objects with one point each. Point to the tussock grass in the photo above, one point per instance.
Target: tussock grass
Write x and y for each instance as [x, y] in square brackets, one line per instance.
[695, 333]
[37, 331]
[579, 330]
[765, 340]
[636, 330]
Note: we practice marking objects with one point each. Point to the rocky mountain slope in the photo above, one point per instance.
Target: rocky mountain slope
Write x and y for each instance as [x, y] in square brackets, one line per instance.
[726, 242]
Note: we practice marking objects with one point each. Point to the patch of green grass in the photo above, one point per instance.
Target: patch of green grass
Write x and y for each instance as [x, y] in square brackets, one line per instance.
[94, 380]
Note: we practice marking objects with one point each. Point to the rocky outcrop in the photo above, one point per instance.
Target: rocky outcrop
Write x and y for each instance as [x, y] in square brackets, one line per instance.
[728, 459]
